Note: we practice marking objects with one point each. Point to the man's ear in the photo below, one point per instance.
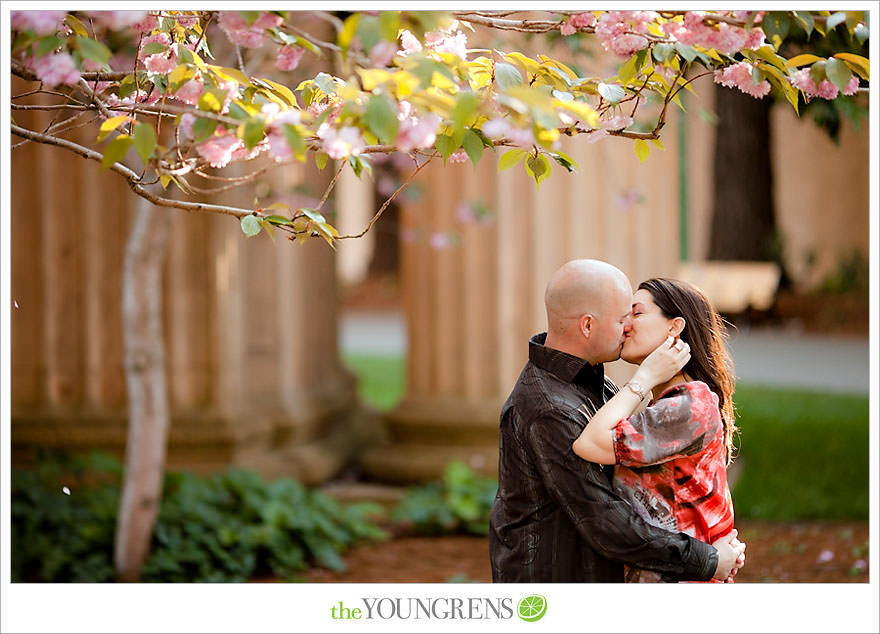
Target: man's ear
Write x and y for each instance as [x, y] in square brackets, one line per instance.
[677, 326]
[585, 324]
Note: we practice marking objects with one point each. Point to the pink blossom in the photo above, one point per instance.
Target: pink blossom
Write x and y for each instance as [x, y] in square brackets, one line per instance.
[860, 565]
[625, 45]
[218, 149]
[582, 20]
[188, 21]
[825, 556]
[409, 43]
[383, 52]
[267, 21]
[755, 39]
[279, 149]
[417, 132]
[248, 38]
[147, 24]
[618, 122]
[496, 128]
[118, 20]
[459, 156]
[190, 92]
[454, 44]
[340, 143]
[827, 90]
[241, 153]
[187, 119]
[440, 241]
[596, 136]
[232, 21]
[161, 63]
[91, 66]
[40, 22]
[520, 137]
[852, 87]
[566, 28]
[288, 57]
[740, 76]
[56, 68]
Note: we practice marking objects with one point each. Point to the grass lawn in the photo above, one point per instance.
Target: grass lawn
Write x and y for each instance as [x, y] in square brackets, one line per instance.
[805, 454]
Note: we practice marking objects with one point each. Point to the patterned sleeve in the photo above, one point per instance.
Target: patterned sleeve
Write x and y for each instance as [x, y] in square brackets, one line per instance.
[680, 423]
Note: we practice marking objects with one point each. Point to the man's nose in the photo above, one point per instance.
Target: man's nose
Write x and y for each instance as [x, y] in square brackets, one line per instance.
[627, 325]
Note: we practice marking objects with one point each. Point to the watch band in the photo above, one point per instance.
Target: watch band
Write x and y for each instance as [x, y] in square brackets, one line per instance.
[636, 388]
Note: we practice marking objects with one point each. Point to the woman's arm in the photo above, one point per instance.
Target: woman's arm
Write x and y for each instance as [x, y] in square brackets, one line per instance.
[595, 443]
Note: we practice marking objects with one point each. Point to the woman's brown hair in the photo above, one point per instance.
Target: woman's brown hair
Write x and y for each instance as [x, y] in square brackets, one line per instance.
[705, 332]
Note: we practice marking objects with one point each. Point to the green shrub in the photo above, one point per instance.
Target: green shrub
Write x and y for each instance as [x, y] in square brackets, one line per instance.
[461, 502]
[228, 527]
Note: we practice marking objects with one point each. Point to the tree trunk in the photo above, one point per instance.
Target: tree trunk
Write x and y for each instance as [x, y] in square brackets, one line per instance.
[146, 384]
[743, 224]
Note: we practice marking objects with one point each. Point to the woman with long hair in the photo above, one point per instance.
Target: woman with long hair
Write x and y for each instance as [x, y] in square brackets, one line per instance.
[671, 458]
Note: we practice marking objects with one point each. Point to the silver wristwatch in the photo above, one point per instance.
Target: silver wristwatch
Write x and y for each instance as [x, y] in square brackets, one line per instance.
[637, 388]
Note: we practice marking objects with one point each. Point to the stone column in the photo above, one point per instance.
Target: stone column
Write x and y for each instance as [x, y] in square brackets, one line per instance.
[254, 373]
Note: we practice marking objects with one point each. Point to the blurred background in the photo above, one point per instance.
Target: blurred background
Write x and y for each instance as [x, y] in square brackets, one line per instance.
[369, 370]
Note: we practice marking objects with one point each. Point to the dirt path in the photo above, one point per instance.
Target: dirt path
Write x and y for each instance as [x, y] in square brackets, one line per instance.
[811, 552]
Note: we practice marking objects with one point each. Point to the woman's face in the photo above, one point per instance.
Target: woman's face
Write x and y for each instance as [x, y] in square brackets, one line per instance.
[649, 328]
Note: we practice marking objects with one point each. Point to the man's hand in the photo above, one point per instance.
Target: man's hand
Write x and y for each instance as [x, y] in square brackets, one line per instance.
[731, 556]
[663, 363]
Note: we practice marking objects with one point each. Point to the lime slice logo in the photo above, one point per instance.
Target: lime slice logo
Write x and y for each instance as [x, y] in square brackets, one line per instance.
[532, 608]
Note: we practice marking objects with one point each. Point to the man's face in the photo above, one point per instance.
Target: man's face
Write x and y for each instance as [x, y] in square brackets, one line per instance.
[610, 328]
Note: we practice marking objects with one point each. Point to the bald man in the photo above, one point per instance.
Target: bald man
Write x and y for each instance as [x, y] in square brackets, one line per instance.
[556, 517]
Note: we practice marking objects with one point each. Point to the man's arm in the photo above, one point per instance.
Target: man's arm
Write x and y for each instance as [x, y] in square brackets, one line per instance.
[605, 520]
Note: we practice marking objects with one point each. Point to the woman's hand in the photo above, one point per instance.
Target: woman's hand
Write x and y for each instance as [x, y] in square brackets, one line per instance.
[663, 363]
[731, 556]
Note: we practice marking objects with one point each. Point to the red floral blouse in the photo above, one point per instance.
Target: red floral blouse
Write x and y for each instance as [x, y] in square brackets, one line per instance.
[671, 464]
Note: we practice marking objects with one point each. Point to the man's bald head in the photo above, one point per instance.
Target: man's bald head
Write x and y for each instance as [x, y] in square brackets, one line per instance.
[587, 302]
[579, 287]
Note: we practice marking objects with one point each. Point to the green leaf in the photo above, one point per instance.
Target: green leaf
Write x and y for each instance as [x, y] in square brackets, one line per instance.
[93, 50]
[464, 109]
[295, 140]
[776, 26]
[115, 150]
[817, 72]
[861, 33]
[507, 76]
[127, 86]
[565, 160]
[250, 16]
[78, 27]
[510, 158]
[47, 44]
[834, 19]
[806, 20]
[686, 51]
[144, 140]
[838, 72]
[252, 132]
[111, 124]
[446, 145]
[856, 62]
[662, 52]
[211, 100]
[473, 146]
[154, 48]
[250, 225]
[203, 128]
[313, 214]
[642, 149]
[321, 160]
[538, 167]
[612, 93]
[629, 69]
[381, 119]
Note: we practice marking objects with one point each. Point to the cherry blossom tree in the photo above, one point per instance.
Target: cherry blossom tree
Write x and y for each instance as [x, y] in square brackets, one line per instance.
[176, 97]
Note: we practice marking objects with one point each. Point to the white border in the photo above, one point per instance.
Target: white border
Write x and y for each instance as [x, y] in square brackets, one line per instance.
[306, 607]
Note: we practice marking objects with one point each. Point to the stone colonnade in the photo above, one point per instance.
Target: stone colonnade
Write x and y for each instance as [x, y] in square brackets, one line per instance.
[255, 377]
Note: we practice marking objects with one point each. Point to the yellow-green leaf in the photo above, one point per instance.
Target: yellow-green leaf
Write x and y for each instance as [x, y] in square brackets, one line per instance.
[282, 91]
[858, 63]
[144, 140]
[210, 101]
[78, 27]
[642, 149]
[115, 150]
[801, 60]
[111, 124]
[321, 160]
[228, 74]
[538, 167]
[511, 158]
[473, 146]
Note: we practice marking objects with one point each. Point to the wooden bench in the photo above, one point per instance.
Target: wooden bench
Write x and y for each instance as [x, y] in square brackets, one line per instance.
[732, 286]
